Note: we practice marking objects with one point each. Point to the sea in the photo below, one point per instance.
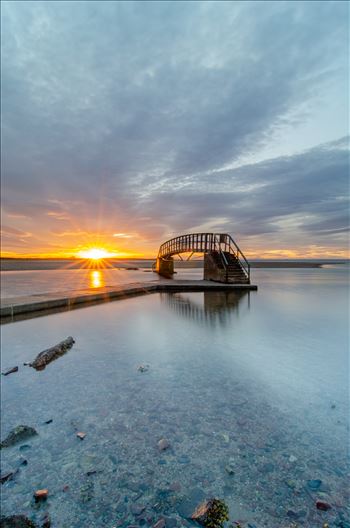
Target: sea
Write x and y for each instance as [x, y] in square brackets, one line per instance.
[250, 391]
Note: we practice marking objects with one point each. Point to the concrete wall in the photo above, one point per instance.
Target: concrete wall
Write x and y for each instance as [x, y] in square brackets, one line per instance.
[212, 271]
[165, 267]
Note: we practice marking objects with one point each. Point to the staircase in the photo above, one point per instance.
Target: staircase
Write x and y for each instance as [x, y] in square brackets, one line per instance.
[234, 270]
[230, 267]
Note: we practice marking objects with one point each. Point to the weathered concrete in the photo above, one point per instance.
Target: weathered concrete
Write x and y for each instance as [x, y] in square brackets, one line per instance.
[211, 270]
[19, 308]
[165, 267]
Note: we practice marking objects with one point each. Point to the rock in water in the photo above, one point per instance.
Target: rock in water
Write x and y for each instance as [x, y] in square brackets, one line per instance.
[10, 371]
[322, 505]
[18, 434]
[16, 521]
[212, 513]
[163, 444]
[46, 356]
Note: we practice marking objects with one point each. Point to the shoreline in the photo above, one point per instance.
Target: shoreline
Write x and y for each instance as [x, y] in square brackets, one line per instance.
[11, 264]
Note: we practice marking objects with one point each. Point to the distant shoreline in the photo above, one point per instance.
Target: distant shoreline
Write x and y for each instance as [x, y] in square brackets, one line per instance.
[31, 264]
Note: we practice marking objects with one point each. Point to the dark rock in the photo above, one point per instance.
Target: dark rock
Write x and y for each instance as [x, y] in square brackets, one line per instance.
[18, 434]
[46, 356]
[211, 513]
[322, 505]
[7, 476]
[314, 485]
[25, 447]
[23, 461]
[143, 368]
[16, 521]
[10, 371]
[48, 421]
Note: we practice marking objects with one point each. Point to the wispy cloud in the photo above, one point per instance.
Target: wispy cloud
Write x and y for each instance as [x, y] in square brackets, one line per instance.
[124, 118]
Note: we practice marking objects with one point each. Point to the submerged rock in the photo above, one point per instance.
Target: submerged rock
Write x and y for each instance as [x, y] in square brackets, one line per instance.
[212, 513]
[41, 494]
[16, 521]
[321, 505]
[163, 444]
[314, 484]
[10, 371]
[7, 476]
[46, 356]
[143, 368]
[18, 434]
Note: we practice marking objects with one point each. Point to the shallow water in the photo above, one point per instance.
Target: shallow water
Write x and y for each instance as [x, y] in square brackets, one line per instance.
[251, 391]
[29, 282]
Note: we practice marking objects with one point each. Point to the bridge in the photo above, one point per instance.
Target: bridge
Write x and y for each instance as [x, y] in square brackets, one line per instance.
[223, 259]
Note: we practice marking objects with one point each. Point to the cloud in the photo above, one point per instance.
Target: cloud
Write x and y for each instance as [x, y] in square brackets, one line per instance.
[117, 111]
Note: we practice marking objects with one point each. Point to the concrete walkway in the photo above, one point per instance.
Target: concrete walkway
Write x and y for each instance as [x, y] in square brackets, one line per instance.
[18, 308]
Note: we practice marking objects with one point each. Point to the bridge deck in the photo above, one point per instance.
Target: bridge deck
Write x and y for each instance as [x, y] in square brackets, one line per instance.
[18, 308]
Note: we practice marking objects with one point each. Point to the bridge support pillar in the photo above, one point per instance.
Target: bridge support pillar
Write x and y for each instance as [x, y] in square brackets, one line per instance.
[212, 271]
[165, 267]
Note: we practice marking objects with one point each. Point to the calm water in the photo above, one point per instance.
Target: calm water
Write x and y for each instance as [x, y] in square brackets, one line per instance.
[250, 390]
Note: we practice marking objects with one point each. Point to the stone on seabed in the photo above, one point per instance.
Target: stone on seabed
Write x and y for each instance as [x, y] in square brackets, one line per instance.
[41, 494]
[16, 521]
[212, 513]
[163, 444]
[321, 505]
[18, 434]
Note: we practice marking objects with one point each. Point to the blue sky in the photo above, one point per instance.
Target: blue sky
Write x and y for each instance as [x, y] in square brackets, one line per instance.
[126, 123]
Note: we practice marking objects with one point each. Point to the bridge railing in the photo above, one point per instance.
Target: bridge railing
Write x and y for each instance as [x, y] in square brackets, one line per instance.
[203, 243]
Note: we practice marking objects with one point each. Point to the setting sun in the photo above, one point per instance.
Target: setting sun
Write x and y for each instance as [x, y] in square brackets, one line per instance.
[94, 254]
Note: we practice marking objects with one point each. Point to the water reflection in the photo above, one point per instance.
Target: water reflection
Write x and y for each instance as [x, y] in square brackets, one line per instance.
[213, 308]
[96, 279]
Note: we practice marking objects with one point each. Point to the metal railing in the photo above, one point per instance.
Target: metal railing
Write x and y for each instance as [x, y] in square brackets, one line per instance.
[204, 243]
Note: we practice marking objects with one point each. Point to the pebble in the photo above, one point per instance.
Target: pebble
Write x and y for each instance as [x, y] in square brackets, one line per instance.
[81, 435]
[229, 469]
[321, 505]
[163, 444]
[41, 494]
[143, 368]
[25, 447]
[292, 458]
[314, 484]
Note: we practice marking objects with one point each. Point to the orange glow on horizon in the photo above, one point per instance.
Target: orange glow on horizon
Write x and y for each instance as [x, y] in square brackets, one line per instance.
[94, 254]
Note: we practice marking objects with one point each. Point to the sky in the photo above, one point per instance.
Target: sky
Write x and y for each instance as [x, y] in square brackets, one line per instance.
[125, 124]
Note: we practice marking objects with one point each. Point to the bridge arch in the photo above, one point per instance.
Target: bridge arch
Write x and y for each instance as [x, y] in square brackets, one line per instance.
[223, 259]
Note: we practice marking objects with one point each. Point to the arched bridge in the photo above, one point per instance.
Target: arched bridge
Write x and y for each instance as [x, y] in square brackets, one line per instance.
[223, 259]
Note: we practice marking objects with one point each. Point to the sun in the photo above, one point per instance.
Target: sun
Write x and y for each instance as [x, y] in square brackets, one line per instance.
[94, 254]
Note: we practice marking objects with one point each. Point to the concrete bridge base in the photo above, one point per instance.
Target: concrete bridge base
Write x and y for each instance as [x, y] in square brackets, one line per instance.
[165, 267]
[211, 270]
